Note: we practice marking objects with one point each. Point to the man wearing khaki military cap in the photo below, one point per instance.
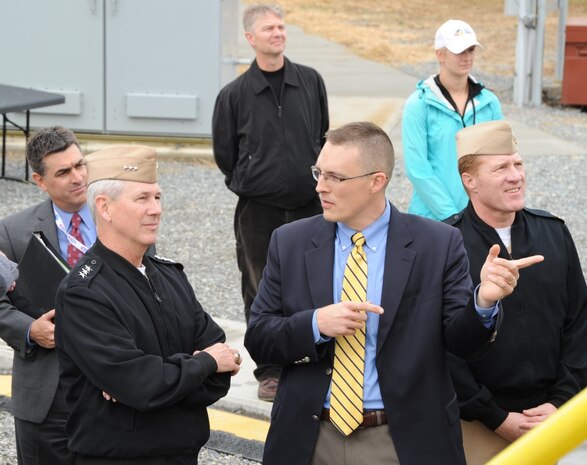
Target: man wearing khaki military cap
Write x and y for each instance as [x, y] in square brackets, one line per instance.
[538, 359]
[140, 359]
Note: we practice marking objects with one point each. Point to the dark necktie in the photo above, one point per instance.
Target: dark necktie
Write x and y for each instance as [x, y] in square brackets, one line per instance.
[73, 253]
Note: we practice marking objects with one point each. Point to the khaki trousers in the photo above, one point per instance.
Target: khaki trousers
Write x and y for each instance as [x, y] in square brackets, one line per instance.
[368, 446]
[480, 443]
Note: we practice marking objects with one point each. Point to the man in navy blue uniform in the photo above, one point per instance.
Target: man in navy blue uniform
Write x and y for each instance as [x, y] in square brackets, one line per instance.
[538, 361]
[140, 360]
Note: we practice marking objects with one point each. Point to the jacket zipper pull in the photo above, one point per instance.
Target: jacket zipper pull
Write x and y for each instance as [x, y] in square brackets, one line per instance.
[279, 111]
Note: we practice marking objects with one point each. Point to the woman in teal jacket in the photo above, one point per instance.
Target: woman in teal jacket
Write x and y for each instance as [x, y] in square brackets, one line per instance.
[442, 105]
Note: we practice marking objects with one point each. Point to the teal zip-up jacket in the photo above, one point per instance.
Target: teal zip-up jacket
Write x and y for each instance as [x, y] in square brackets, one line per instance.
[429, 126]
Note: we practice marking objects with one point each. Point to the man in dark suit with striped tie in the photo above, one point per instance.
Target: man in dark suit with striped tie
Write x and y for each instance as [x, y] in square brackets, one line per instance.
[358, 305]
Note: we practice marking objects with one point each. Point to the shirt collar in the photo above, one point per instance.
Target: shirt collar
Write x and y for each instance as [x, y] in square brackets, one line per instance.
[84, 212]
[260, 82]
[374, 233]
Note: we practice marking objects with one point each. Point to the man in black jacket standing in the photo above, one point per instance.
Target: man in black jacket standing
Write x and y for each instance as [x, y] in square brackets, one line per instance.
[268, 129]
[140, 360]
[538, 360]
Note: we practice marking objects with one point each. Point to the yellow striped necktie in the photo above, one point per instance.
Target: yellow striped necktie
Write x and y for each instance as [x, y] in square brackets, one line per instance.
[346, 392]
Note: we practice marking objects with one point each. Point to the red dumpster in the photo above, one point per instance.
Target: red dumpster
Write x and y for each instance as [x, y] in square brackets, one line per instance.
[574, 89]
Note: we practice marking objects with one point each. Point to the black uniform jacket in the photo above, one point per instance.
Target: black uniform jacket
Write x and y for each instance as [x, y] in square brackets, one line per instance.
[539, 355]
[265, 146]
[133, 338]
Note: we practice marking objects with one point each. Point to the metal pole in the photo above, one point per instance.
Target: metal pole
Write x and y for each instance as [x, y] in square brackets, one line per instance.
[538, 63]
[3, 144]
[524, 48]
[520, 76]
[563, 10]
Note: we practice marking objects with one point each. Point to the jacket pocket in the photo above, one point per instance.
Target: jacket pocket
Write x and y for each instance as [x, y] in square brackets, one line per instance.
[241, 170]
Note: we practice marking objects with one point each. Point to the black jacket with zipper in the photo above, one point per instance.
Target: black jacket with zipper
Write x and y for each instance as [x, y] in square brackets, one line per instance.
[539, 354]
[265, 145]
[133, 336]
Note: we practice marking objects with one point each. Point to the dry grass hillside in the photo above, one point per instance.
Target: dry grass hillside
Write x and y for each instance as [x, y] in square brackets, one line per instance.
[401, 32]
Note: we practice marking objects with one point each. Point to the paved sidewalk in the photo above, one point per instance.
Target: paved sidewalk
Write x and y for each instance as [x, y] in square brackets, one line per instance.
[242, 397]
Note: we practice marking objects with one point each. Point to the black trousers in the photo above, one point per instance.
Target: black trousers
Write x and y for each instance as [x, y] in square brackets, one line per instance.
[172, 460]
[44, 443]
[254, 222]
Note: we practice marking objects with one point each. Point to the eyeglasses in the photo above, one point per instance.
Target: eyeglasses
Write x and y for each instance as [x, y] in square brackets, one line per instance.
[316, 173]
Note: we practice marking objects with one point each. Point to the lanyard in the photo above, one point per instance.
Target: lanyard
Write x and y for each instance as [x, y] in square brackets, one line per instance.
[72, 240]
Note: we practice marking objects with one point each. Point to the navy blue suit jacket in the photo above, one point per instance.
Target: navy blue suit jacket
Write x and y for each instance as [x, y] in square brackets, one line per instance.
[427, 299]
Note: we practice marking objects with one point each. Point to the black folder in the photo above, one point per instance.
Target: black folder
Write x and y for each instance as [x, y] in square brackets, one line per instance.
[41, 270]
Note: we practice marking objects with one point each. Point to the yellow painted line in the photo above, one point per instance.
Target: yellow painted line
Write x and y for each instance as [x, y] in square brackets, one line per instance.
[5, 385]
[239, 425]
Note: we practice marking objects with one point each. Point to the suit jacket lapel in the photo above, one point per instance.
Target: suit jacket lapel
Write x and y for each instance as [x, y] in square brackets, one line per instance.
[398, 266]
[319, 271]
[46, 223]
[320, 264]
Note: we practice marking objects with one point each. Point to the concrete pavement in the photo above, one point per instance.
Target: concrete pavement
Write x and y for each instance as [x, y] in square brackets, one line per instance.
[242, 397]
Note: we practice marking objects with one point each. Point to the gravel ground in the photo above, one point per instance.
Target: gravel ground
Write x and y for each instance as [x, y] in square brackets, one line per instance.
[197, 223]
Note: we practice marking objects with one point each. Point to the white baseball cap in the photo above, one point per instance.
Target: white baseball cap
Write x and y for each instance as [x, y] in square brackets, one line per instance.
[455, 35]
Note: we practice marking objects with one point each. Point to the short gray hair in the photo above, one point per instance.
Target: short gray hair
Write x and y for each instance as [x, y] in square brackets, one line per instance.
[254, 12]
[110, 187]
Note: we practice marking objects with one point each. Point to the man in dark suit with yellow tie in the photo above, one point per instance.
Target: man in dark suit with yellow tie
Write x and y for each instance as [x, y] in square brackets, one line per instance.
[358, 305]
[38, 404]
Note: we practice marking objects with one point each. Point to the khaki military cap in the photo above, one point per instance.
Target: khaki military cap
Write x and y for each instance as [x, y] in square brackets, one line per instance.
[123, 162]
[490, 138]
